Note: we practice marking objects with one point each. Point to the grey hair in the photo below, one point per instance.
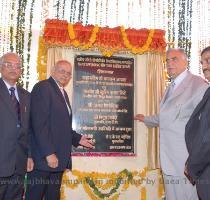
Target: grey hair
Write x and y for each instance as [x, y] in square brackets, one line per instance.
[7, 54]
[182, 51]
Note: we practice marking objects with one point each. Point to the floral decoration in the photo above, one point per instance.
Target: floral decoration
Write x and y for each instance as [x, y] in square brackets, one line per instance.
[105, 185]
[107, 40]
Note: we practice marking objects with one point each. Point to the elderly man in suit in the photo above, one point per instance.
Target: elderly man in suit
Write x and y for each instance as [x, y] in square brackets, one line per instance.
[177, 104]
[52, 134]
[197, 136]
[14, 126]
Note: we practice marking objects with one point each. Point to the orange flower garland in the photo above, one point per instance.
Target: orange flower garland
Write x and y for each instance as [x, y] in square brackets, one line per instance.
[108, 41]
[136, 50]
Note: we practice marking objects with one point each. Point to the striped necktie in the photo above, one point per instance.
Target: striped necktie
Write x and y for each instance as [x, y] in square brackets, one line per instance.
[170, 90]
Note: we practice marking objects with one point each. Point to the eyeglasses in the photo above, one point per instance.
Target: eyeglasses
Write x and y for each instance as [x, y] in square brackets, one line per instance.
[174, 59]
[9, 65]
[63, 72]
[205, 61]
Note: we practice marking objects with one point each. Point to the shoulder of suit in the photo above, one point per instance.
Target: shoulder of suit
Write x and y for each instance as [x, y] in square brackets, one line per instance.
[43, 83]
[24, 91]
[199, 79]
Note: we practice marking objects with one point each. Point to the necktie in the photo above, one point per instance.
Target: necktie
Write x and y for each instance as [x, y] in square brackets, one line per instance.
[66, 98]
[170, 90]
[15, 102]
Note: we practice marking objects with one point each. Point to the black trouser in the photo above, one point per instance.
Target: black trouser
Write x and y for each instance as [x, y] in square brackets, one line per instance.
[42, 184]
[12, 187]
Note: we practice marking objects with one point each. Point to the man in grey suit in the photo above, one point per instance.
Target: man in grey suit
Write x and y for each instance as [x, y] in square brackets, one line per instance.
[14, 126]
[177, 104]
[197, 136]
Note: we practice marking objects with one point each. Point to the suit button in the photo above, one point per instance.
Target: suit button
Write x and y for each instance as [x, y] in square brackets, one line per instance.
[18, 125]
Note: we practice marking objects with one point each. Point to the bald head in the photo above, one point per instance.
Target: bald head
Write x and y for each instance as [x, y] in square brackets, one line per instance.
[62, 72]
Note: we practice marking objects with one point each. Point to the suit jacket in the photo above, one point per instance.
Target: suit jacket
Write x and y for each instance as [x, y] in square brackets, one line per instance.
[174, 113]
[51, 126]
[13, 138]
[197, 135]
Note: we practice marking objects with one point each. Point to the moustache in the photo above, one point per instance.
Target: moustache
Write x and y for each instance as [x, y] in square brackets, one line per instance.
[205, 70]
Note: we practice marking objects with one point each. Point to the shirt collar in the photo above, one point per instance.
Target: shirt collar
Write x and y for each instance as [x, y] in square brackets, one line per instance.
[57, 83]
[9, 86]
[180, 77]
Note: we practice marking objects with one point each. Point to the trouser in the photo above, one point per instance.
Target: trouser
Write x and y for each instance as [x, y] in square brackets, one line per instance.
[179, 188]
[12, 187]
[42, 184]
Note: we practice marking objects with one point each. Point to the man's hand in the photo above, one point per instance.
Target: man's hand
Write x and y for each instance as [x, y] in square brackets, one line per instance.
[188, 176]
[52, 161]
[139, 117]
[30, 165]
[185, 170]
[86, 142]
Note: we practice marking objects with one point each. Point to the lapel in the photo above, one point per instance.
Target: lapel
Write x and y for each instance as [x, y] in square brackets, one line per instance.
[58, 93]
[22, 102]
[56, 89]
[164, 96]
[202, 103]
[67, 100]
[178, 91]
[5, 96]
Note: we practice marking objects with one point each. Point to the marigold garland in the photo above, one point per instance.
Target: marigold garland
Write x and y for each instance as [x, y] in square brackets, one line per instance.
[92, 38]
[110, 190]
[59, 32]
[76, 43]
[136, 50]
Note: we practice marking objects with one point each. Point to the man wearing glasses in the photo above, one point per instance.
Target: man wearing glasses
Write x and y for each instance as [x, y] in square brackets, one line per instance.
[14, 126]
[52, 134]
[177, 104]
[197, 135]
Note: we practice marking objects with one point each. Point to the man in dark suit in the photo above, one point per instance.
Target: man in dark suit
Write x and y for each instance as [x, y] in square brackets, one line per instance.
[52, 134]
[14, 118]
[197, 136]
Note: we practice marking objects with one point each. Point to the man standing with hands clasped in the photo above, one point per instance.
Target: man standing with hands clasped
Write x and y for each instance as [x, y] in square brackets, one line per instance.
[177, 104]
[52, 134]
[197, 135]
[14, 129]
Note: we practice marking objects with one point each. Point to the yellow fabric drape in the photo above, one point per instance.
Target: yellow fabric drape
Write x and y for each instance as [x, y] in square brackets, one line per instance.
[155, 86]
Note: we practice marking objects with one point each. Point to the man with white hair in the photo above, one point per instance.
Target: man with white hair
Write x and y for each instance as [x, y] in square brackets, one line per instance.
[14, 129]
[52, 134]
[177, 104]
